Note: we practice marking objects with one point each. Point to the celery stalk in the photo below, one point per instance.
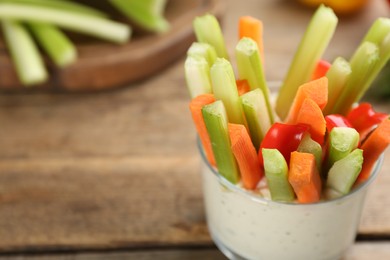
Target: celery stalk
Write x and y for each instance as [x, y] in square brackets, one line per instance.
[378, 30]
[24, 53]
[308, 145]
[276, 173]
[342, 140]
[146, 13]
[337, 75]
[208, 30]
[95, 26]
[225, 88]
[250, 67]
[256, 114]
[57, 45]
[343, 174]
[362, 63]
[313, 44]
[61, 5]
[197, 73]
[203, 49]
[384, 56]
[216, 122]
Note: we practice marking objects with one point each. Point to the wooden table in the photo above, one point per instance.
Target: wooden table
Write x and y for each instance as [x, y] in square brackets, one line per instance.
[115, 174]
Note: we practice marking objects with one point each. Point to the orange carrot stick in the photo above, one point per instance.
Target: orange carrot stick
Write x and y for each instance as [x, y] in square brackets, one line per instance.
[304, 177]
[317, 90]
[252, 28]
[242, 86]
[246, 156]
[196, 105]
[311, 114]
[373, 147]
[321, 69]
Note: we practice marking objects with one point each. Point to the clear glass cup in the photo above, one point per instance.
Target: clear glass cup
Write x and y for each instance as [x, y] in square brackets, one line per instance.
[244, 225]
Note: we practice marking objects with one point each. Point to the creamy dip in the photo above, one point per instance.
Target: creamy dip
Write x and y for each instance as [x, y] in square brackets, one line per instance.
[246, 225]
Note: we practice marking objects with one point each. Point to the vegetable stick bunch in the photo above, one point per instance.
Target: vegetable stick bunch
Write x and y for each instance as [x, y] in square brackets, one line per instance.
[316, 144]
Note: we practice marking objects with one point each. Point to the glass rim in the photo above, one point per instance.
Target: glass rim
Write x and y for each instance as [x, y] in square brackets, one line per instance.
[262, 200]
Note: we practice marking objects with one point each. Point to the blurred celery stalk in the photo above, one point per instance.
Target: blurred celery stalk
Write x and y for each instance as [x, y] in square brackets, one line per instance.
[24, 53]
[381, 86]
[61, 5]
[94, 26]
[149, 14]
[55, 43]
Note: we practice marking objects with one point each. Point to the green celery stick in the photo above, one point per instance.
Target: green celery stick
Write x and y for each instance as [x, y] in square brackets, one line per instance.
[250, 67]
[379, 34]
[95, 26]
[378, 31]
[208, 30]
[197, 73]
[57, 45]
[61, 5]
[203, 49]
[343, 174]
[337, 75]
[342, 140]
[308, 145]
[312, 46]
[276, 173]
[384, 57]
[146, 13]
[216, 122]
[25, 55]
[225, 88]
[362, 63]
[256, 114]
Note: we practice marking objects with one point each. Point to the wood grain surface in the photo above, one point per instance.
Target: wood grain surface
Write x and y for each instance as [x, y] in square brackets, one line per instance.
[115, 174]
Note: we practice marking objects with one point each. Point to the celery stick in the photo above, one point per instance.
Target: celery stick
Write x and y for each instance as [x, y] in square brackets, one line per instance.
[208, 30]
[95, 26]
[197, 73]
[146, 13]
[57, 45]
[308, 145]
[384, 57]
[342, 140]
[61, 5]
[225, 88]
[378, 30]
[216, 122]
[276, 173]
[250, 68]
[256, 114]
[312, 46]
[203, 49]
[362, 63]
[343, 174]
[337, 75]
[24, 53]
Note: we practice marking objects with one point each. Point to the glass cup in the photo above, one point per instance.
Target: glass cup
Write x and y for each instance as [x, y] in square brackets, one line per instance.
[244, 225]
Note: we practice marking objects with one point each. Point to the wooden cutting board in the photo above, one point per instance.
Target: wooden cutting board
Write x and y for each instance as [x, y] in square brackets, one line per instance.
[103, 65]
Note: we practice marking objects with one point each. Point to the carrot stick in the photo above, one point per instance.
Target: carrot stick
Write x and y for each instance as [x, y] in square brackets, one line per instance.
[196, 105]
[246, 156]
[242, 86]
[311, 114]
[321, 69]
[252, 28]
[304, 177]
[373, 147]
[317, 90]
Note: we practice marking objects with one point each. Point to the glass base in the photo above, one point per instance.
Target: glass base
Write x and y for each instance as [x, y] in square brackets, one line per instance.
[226, 251]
